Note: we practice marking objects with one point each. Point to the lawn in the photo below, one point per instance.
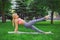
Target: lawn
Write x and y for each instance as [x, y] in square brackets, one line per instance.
[45, 26]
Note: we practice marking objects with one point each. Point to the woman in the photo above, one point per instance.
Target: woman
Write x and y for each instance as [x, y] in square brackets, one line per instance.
[16, 21]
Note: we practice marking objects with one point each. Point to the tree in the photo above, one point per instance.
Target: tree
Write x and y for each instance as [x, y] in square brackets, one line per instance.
[39, 7]
[23, 8]
[54, 5]
[5, 6]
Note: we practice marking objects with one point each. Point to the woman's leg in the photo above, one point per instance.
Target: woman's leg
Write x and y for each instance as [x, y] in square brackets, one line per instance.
[27, 25]
[40, 31]
[36, 29]
[40, 19]
[36, 20]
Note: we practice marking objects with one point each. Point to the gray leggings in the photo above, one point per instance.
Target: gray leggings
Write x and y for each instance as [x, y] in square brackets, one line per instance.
[31, 26]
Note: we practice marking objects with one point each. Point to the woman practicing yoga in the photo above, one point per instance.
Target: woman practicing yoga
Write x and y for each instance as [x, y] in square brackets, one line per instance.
[16, 20]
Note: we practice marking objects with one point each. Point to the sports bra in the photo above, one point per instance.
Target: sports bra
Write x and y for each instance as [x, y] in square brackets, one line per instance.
[20, 21]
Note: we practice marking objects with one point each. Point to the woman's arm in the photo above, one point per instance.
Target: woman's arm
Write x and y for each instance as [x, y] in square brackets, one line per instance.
[16, 25]
[13, 22]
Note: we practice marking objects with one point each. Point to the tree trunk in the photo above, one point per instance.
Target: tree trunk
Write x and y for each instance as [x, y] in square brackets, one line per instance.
[52, 17]
[3, 12]
[3, 17]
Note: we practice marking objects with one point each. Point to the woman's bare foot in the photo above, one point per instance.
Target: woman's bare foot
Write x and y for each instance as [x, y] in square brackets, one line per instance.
[48, 32]
[47, 16]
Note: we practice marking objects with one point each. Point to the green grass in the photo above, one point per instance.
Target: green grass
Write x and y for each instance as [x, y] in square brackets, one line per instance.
[45, 26]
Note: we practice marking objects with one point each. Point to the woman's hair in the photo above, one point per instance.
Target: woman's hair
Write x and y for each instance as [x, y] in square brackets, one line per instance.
[13, 15]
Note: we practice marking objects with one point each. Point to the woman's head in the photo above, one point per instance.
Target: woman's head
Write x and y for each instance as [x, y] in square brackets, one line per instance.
[15, 16]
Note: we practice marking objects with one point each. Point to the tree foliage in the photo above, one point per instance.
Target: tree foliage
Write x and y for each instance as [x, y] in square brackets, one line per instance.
[31, 8]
